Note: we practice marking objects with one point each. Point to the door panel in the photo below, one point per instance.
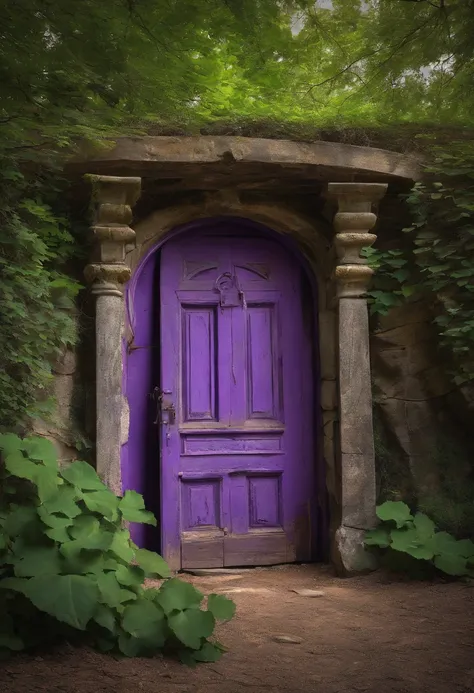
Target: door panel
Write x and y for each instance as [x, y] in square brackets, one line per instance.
[237, 462]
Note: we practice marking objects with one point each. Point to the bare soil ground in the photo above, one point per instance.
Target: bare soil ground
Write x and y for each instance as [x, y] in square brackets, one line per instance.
[364, 634]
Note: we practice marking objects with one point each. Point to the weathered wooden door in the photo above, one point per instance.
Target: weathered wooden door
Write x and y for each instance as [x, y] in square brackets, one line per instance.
[237, 417]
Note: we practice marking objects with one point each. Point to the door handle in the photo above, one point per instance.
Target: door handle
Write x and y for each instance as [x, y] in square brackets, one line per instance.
[165, 410]
[168, 413]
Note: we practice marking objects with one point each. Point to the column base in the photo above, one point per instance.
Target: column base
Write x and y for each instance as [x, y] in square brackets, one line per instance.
[349, 554]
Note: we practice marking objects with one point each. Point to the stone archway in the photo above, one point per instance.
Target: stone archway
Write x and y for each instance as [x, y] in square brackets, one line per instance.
[343, 277]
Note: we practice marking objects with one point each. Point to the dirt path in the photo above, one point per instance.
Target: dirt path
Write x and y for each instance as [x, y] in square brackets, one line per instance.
[360, 635]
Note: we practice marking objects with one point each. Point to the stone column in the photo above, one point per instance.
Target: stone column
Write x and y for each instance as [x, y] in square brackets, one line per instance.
[113, 198]
[353, 222]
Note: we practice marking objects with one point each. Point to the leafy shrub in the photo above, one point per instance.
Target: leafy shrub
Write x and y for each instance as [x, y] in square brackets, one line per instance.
[68, 567]
[416, 536]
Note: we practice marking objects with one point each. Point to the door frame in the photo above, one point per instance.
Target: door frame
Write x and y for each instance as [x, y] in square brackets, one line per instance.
[141, 370]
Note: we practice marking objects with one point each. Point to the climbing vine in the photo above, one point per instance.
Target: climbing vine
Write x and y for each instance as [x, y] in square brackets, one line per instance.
[437, 258]
[36, 298]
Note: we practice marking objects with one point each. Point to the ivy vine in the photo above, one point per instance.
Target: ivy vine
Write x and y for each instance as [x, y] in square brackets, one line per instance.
[37, 299]
[438, 261]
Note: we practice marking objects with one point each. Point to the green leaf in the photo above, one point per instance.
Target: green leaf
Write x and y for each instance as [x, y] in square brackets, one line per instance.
[145, 620]
[9, 443]
[109, 589]
[51, 520]
[130, 575]
[41, 449]
[103, 502]
[397, 511]
[132, 507]
[47, 480]
[153, 564]
[222, 608]
[128, 645]
[191, 626]
[18, 465]
[424, 526]
[19, 520]
[208, 653]
[63, 502]
[466, 548]
[409, 541]
[445, 543]
[106, 618]
[178, 595]
[83, 476]
[58, 534]
[380, 536]
[451, 564]
[121, 545]
[71, 599]
[89, 534]
[37, 561]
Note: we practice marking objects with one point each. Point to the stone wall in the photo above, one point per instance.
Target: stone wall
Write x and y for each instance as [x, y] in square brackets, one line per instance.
[422, 420]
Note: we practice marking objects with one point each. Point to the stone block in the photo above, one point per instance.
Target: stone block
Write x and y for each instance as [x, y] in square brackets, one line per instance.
[349, 554]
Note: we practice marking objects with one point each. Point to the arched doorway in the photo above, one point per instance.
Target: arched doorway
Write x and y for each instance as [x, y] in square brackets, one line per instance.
[226, 453]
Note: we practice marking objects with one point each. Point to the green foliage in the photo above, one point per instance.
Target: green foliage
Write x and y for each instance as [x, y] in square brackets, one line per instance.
[438, 260]
[68, 566]
[416, 536]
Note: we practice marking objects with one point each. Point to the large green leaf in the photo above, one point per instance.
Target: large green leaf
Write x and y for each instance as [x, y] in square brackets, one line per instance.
[145, 620]
[130, 575]
[425, 527]
[451, 564]
[36, 561]
[121, 545]
[9, 443]
[106, 618]
[71, 599]
[466, 548]
[409, 541]
[51, 520]
[20, 519]
[89, 534]
[445, 543]
[380, 536]
[153, 564]
[178, 595]
[103, 502]
[18, 465]
[191, 626]
[63, 502]
[47, 481]
[132, 507]
[109, 589]
[83, 476]
[208, 653]
[129, 645]
[222, 608]
[41, 449]
[397, 511]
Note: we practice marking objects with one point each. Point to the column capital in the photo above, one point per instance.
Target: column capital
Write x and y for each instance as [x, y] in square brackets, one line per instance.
[353, 222]
[356, 197]
[112, 200]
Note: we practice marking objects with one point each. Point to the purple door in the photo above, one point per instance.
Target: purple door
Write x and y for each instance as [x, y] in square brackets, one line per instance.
[237, 421]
